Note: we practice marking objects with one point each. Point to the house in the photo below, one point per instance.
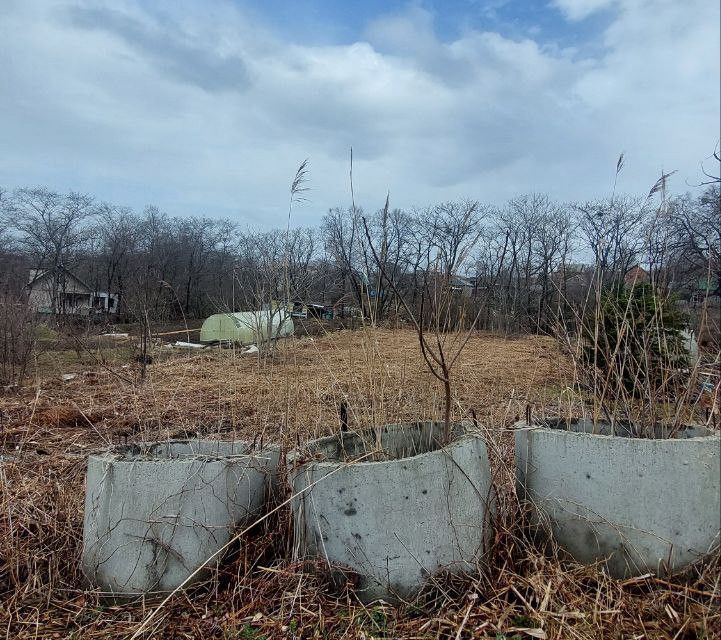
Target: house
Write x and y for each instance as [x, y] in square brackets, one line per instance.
[59, 291]
[636, 275]
[104, 302]
[573, 279]
[706, 290]
[465, 286]
[311, 310]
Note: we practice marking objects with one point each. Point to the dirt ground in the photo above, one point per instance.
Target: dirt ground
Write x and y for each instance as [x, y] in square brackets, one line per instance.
[75, 405]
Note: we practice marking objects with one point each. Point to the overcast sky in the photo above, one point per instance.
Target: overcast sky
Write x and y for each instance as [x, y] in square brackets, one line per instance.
[207, 107]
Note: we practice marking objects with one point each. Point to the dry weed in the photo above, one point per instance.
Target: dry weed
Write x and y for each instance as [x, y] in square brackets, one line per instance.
[527, 589]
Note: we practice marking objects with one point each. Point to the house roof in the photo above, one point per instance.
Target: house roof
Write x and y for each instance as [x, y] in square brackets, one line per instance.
[461, 281]
[636, 267]
[42, 275]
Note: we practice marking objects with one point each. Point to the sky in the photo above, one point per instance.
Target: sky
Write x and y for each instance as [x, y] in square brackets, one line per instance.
[208, 107]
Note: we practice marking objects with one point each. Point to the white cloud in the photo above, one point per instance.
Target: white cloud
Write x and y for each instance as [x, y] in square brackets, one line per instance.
[581, 9]
[202, 110]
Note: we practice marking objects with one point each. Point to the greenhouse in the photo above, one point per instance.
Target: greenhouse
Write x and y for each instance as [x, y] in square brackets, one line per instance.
[246, 327]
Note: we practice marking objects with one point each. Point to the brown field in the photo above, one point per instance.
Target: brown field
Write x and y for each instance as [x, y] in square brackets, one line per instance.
[50, 425]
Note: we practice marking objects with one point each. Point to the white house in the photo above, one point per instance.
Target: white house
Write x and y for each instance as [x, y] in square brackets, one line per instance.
[58, 291]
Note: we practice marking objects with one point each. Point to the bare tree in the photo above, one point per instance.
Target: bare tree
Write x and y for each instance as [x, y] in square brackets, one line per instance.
[452, 230]
[341, 230]
[117, 232]
[715, 177]
[442, 348]
[611, 229]
[697, 236]
[50, 228]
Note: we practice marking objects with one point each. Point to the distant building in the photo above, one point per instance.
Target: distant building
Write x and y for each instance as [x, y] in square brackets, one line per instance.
[58, 291]
[636, 275]
[104, 302]
[571, 272]
[464, 285]
[573, 279]
[706, 290]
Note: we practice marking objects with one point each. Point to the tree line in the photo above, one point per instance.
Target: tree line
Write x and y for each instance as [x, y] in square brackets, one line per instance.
[523, 266]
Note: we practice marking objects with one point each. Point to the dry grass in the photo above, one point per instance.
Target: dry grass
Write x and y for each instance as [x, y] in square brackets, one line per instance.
[378, 372]
[525, 591]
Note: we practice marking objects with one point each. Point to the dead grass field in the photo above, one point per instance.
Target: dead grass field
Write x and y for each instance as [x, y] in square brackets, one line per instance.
[49, 426]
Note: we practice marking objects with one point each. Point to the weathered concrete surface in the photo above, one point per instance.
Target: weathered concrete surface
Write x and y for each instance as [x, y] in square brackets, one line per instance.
[646, 505]
[394, 522]
[154, 513]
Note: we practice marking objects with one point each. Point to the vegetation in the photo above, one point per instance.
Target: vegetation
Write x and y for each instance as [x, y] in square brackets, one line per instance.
[452, 272]
[526, 587]
[529, 264]
[639, 342]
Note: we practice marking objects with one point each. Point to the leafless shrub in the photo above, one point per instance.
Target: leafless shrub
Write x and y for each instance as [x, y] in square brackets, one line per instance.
[17, 339]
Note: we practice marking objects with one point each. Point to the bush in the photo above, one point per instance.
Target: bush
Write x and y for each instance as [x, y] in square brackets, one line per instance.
[17, 339]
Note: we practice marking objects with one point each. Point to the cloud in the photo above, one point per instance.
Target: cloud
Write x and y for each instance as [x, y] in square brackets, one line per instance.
[174, 53]
[200, 108]
[582, 9]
